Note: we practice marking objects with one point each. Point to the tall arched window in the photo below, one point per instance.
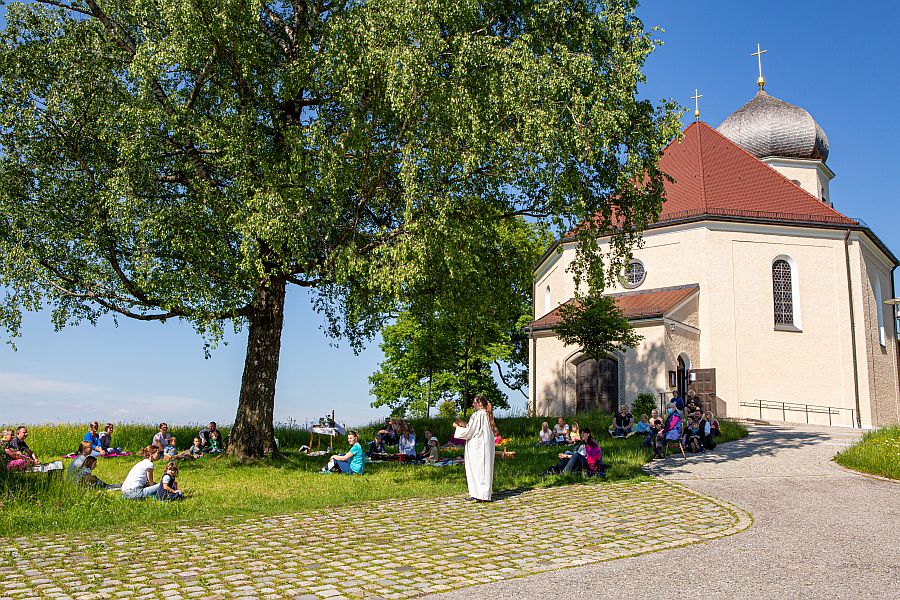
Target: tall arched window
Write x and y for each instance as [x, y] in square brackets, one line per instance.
[783, 293]
[548, 300]
[879, 310]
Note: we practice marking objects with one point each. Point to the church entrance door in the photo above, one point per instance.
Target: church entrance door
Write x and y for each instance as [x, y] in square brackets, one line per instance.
[597, 385]
[681, 378]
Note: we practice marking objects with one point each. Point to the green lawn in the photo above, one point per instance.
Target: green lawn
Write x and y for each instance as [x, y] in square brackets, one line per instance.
[878, 452]
[218, 487]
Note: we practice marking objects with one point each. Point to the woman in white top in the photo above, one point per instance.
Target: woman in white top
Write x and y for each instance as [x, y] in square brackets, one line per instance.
[139, 482]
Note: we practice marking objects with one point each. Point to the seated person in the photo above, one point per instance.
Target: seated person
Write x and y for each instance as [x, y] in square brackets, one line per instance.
[586, 457]
[21, 445]
[706, 431]
[677, 400]
[168, 487]
[376, 447]
[106, 440]
[426, 446]
[574, 433]
[215, 442]
[407, 445]
[560, 432]
[713, 424]
[670, 432]
[656, 426]
[197, 449]
[93, 437]
[432, 454]
[351, 463]
[388, 433]
[139, 482]
[85, 475]
[170, 452]
[84, 450]
[691, 439]
[161, 439]
[643, 426]
[206, 435]
[545, 435]
[12, 459]
[622, 423]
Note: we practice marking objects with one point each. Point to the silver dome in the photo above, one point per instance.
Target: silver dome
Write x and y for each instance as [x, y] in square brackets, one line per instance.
[767, 126]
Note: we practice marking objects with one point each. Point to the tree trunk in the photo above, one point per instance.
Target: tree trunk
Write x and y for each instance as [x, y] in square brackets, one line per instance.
[253, 434]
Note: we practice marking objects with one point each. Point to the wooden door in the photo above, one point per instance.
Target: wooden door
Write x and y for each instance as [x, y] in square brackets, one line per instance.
[586, 386]
[704, 385]
[608, 384]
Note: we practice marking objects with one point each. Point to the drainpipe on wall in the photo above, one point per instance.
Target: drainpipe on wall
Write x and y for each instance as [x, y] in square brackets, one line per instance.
[852, 329]
[533, 372]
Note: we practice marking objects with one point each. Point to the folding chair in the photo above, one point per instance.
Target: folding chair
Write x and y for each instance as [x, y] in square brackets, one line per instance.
[679, 442]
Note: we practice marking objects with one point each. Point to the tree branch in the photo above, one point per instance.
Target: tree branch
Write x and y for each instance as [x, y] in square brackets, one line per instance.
[505, 382]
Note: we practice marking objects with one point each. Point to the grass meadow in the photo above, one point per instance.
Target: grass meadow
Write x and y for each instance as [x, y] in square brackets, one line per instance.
[218, 487]
[878, 452]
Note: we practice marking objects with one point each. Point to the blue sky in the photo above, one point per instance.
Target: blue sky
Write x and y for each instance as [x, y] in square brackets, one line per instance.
[839, 64]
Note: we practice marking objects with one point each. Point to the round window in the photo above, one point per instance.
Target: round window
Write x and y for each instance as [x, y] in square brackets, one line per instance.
[634, 274]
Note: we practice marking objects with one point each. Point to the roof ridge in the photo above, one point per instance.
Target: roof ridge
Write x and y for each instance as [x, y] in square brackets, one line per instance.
[700, 167]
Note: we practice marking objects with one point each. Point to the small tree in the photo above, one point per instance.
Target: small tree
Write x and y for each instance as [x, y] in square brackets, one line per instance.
[596, 324]
[643, 404]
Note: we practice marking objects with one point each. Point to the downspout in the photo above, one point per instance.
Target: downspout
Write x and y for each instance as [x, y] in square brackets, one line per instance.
[533, 372]
[896, 335]
[852, 329]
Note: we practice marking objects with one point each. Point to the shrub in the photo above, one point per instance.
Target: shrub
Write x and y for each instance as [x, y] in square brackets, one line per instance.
[447, 409]
[643, 404]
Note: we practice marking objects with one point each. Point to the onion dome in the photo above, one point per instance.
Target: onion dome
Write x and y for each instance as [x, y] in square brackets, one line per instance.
[767, 126]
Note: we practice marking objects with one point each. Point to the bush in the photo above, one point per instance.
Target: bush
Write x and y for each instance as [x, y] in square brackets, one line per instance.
[447, 409]
[643, 404]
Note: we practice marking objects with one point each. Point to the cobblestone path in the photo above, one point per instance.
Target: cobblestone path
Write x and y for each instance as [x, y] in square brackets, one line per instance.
[394, 549]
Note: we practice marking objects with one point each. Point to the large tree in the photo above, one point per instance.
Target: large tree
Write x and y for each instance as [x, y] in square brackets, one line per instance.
[189, 159]
[464, 321]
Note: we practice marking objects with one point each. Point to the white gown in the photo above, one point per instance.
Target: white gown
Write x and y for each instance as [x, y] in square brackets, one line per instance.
[479, 455]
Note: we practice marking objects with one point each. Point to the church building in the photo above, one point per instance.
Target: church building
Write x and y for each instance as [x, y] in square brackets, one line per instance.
[752, 289]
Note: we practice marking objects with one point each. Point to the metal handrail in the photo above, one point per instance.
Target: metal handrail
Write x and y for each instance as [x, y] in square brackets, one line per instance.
[798, 407]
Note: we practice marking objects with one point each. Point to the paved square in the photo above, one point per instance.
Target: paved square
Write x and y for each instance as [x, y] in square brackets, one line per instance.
[393, 549]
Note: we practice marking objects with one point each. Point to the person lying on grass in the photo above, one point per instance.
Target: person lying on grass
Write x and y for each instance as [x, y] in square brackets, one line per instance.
[351, 463]
[139, 482]
[168, 487]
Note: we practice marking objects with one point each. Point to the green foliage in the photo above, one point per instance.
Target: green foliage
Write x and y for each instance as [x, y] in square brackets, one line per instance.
[643, 404]
[220, 488]
[188, 159]
[595, 324]
[878, 452]
[457, 328]
[448, 409]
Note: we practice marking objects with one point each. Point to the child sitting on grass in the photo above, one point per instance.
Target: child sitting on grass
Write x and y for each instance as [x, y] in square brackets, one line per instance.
[643, 426]
[351, 463]
[168, 487]
[85, 476]
[692, 438]
[433, 453]
[197, 449]
[215, 442]
[171, 451]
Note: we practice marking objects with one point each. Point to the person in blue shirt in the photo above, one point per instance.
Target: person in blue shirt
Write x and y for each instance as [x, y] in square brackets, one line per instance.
[351, 463]
[94, 438]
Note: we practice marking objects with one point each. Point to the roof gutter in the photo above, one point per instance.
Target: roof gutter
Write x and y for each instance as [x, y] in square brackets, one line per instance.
[853, 328]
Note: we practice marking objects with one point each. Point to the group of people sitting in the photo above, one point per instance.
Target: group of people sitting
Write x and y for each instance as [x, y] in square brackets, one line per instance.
[207, 441]
[399, 433]
[17, 456]
[585, 457]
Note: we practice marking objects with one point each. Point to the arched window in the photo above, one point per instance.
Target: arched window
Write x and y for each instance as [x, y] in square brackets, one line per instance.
[548, 300]
[879, 309]
[784, 294]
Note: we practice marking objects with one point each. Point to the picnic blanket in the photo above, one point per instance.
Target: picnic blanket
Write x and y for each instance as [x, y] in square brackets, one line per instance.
[108, 455]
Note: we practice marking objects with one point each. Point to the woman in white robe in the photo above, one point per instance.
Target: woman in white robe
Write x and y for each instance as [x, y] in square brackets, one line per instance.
[479, 456]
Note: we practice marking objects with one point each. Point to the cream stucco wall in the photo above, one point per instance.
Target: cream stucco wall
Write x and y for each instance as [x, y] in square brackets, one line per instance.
[814, 176]
[730, 326]
[880, 342]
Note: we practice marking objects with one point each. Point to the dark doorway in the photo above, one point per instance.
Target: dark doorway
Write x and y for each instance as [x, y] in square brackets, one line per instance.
[681, 376]
[597, 385]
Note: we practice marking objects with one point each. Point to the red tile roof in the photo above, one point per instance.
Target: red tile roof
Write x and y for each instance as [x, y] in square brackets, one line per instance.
[714, 176]
[634, 305]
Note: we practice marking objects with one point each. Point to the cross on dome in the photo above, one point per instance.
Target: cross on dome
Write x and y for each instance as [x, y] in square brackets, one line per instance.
[761, 82]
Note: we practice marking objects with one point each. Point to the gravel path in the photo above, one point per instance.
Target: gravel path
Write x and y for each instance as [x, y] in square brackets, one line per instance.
[819, 531]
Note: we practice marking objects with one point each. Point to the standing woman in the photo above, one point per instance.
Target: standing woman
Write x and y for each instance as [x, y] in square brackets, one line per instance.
[479, 456]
